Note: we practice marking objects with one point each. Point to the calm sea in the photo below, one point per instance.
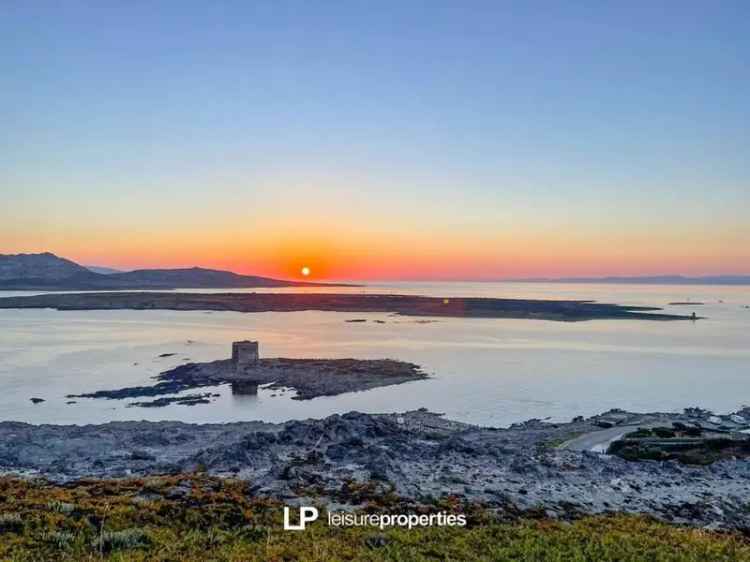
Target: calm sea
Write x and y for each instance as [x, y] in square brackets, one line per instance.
[492, 372]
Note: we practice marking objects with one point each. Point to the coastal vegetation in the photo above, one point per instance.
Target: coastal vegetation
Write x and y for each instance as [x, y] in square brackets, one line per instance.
[688, 445]
[194, 517]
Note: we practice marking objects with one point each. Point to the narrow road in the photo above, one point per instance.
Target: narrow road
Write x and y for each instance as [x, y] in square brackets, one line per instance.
[598, 441]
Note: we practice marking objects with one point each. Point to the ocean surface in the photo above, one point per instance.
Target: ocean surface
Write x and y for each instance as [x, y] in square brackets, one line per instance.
[491, 372]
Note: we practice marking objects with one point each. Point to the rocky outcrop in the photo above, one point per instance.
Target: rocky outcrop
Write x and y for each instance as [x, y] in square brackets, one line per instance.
[310, 378]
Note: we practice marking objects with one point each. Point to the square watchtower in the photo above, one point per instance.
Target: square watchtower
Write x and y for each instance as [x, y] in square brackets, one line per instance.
[244, 354]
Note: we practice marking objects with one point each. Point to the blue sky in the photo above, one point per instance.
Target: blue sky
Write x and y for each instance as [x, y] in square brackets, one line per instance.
[484, 123]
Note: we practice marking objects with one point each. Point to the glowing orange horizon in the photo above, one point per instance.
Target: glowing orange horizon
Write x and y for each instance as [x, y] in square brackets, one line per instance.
[419, 263]
[345, 251]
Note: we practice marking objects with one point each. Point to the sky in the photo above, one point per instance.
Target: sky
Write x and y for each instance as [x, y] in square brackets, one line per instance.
[379, 140]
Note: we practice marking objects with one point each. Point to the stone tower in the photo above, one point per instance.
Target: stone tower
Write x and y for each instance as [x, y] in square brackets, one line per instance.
[244, 354]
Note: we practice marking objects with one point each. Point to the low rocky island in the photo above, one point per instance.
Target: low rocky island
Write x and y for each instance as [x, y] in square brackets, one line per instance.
[407, 305]
[246, 371]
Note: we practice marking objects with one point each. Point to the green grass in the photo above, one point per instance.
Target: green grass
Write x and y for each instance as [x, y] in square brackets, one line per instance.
[134, 520]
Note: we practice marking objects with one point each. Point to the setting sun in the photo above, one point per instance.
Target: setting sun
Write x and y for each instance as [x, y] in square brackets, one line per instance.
[305, 271]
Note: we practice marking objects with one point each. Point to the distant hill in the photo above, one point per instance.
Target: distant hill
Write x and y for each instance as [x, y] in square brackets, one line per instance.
[43, 267]
[49, 272]
[647, 280]
[102, 270]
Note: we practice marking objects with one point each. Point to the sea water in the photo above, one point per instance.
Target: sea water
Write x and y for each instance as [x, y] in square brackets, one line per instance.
[486, 371]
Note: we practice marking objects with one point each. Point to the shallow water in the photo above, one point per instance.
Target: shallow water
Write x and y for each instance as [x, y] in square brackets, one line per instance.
[492, 372]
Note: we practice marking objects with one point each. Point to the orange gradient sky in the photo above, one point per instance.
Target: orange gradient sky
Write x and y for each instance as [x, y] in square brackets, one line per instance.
[372, 245]
[379, 140]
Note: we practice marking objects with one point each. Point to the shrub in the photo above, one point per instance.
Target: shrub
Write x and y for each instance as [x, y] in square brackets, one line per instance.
[121, 540]
[10, 523]
[61, 507]
[639, 433]
[61, 540]
[663, 432]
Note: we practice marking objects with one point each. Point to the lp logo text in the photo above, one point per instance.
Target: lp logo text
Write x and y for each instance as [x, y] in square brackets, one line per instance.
[306, 515]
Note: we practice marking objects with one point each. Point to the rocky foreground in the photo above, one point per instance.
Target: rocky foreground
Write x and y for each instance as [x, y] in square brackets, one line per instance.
[418, 455]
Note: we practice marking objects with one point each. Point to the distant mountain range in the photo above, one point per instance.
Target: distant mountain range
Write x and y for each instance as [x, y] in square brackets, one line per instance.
[647, 280]
[48, 272]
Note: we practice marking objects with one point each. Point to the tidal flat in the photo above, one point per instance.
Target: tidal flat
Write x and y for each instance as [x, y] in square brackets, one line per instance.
[404, 305]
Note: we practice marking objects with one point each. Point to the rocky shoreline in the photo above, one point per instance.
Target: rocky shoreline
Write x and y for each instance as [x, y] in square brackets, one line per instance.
[418, 455]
